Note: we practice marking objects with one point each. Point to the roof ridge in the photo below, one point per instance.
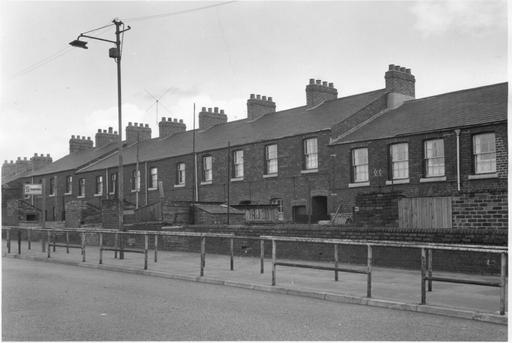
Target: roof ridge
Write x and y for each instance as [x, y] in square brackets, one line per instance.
[457, 91]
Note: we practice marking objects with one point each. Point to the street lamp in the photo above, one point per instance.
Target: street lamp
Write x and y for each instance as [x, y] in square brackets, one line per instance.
[116, 54]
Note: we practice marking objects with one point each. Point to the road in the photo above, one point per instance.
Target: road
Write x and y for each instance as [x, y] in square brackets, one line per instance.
[48, 302]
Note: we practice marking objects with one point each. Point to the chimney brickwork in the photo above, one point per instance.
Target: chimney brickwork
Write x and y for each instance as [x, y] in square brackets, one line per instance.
[140, 132]
[77, 144]
[258, 105]
[23, 165]
[400, 85]
[319, 91]
[168, 126]
[211, 118]
[105, 137]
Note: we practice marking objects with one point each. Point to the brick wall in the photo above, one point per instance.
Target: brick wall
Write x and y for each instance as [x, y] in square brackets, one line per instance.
[481, 210]
[360, 116]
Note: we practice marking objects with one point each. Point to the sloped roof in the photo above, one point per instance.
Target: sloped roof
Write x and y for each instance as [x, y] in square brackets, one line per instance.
[75, 160]
[270, 126]
[218, 209]
[475, 106]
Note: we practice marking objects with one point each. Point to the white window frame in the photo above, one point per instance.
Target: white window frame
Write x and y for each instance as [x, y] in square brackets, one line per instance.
[113, 183]
[53, 186]
[489, 152]
[153, 178]
[271, 160]
[434, 162]
[359, 166]
[311, 153]
[68, 187]
[98, 185]
[180, 174]
[396, 161]
[81, 187]
[207, 169]
[238, 164]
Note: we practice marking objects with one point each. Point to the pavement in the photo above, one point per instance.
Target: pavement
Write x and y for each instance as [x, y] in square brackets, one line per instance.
[391, 288]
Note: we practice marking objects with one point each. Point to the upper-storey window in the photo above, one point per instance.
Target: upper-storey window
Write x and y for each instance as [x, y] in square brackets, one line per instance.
[81, 187]
[99, 185]
[434, 158]
[484, 153]
[207, 169]
[271, 159]
[69, 184]
[238, 163]
[399, 161]
[360, 165]
[52, 185]
[310, 153]
[135, 180]
[113, 183]
[180, 173]
[153, 181]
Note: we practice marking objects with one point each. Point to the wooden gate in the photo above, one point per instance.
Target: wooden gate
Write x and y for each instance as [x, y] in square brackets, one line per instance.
[435, 212]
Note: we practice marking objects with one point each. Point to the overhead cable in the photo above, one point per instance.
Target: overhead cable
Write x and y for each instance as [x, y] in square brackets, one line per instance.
[162, 15]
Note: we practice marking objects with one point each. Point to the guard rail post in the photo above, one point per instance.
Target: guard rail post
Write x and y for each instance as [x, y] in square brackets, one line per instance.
[54, 235]
[423, 274]
[67, 242]
[19, 241]
[43, 243]
[29, 232]
[336, 262]
[231, 251]
[146, 245]
[429, 267]
[203, 254]
[503, 282]
[262, 256]
[8, 237]
[116, 244]
[369, 270]
[156, 247]
[273, 262]
[83, 246]
[49, 234]
[101, 247]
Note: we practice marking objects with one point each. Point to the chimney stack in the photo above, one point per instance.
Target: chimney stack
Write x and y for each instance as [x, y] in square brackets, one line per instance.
[319, 91]
[143, 131]
[79, 144]
[168, 126]
[211, 118]
[259, 105]
[103, 138]
[400, 85]
[39, 162]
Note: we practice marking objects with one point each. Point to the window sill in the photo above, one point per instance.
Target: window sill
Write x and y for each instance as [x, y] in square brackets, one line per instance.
[397, 182]
[51, 195]
[204, 183]
[235, 179]
[111, 193]
[133, 190]
[80, 197]
[266, 176]
[68, 193]
[433, 179]
[152, 189]
[307, 171]
[98, 194]
[179, 186]
[359, 184]
[483, 176]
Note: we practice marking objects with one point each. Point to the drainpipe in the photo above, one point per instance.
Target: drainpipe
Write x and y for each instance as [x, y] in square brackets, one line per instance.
[457, 132]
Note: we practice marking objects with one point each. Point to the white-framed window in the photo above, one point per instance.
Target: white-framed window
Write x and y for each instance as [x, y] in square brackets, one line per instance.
[271, 159]
[52, 185]
[207, 169]
[399, 161]
[69, 184]
[113, 183]
[484, 153]
[360, 165]
[81, 187]
[238, 164]
[310, 154]
[99, 185]
[434, 157]
[180, 173]
[153, 180]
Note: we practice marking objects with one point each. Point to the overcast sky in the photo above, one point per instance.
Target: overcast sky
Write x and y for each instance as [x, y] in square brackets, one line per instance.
[219, 55]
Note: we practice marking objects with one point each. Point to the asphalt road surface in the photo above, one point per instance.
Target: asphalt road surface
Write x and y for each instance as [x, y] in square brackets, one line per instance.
[48, 302]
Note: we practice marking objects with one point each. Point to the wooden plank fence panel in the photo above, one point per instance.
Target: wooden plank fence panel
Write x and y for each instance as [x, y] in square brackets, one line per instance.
[431, 212]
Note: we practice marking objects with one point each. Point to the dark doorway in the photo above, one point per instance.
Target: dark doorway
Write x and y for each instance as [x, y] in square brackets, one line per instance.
[300, 216]
[319, 209]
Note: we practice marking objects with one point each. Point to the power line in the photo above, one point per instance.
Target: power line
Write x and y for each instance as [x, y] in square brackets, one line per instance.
[42, 62]
[156, 16]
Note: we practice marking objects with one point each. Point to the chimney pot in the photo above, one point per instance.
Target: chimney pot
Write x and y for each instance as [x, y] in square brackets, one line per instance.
[209, 109]
[12, 161]
[147, 125]
[104, 131]
[175, 120]
[391, 67]
[311, 81]
[324, 83]
[181, 120]
[83, 137]
[269, 98]
[408, 70]
[216, 110]
[47, 155]
[163, 119]
[99, 130]
[264, 98]
[110, 129]
[331, 85]
[24, 158]
[252, 96]
[88, 138]
[318, 82]
[221, 111]
[402, 69]
[258, 97]
[203, 109]
[129, 123]
[72, 136]
[115, 132]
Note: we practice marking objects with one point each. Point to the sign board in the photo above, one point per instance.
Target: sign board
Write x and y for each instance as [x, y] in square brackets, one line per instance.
[33, 189]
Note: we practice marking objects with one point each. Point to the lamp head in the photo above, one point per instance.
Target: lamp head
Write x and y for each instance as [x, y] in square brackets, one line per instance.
[77, 43]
